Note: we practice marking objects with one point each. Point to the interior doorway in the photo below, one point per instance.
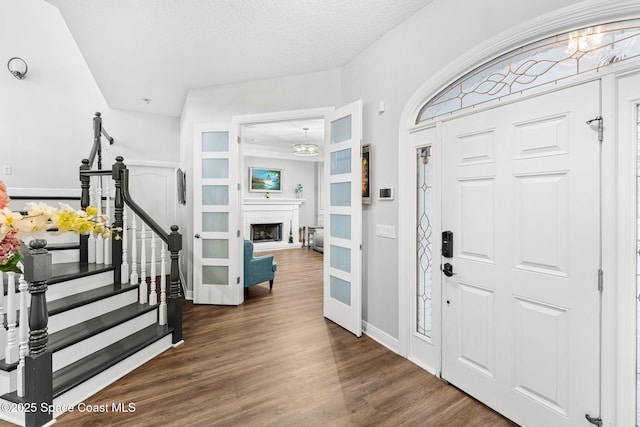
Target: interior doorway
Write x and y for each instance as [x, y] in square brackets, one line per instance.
[293, 149]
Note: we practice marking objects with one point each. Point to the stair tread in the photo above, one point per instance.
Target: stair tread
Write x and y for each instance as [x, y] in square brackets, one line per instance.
[74, 374]
[72, 270]
[76, 333]
[62, 246]
[82, 298]
[84, 369]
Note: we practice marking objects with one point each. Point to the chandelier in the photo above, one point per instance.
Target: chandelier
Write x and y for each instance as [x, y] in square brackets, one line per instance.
[305, 149]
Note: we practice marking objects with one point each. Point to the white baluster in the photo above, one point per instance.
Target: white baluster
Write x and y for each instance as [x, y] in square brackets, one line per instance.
[125, 251]
[11, 351]
[91, 252]
[107, 211]
[153, 295]
[143, 265]
[163, 286]
[99, 239]
[23, 335]
[134, 253]
[3, 331]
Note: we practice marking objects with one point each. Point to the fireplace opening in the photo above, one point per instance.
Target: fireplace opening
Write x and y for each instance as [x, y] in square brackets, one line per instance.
[266, 232]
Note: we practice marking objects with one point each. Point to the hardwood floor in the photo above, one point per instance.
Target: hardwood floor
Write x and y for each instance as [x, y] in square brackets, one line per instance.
[275, 361]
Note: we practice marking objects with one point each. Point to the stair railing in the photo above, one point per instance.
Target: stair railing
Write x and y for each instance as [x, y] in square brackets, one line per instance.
[171, 305]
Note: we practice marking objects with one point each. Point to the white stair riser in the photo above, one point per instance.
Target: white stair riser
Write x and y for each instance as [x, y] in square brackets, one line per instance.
[66, 255]
[8, 381]
[89, 311]
[13, 417]
[89, 388]
[72, 287]
[92, 344]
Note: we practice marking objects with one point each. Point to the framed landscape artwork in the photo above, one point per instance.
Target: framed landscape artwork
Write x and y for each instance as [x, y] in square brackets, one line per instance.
[366, 180]
[262, 180]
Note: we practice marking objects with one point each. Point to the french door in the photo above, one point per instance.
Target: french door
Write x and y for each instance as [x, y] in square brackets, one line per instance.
[520, 297]
[343, 217]
[217, 252]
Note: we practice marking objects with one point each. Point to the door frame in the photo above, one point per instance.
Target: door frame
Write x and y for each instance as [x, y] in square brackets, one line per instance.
[618, 222]
[261, 118]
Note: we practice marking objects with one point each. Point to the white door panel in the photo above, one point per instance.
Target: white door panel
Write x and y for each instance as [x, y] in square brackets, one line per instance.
[343, 218]
[521, 314]
[217, 256]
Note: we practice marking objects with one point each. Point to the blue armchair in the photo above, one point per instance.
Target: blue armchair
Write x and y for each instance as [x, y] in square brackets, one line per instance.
[257, 269]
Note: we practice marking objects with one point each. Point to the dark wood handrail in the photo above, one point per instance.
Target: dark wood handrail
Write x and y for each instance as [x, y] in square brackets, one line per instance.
[144, 216]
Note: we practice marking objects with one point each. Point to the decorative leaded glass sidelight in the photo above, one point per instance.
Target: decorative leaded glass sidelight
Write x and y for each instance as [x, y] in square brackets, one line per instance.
[424, 256]
[581, 52]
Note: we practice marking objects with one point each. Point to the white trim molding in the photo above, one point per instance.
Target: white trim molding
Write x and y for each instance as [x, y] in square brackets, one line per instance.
[380, 336]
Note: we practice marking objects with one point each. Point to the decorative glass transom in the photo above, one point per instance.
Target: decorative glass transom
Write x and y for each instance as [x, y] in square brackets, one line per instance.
[424, 257]
[580, 52]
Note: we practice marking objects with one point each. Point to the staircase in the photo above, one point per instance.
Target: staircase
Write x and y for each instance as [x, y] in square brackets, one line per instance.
[93, 312]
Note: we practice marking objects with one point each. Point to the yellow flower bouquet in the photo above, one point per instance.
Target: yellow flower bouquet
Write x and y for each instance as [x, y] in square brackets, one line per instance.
[38, 219]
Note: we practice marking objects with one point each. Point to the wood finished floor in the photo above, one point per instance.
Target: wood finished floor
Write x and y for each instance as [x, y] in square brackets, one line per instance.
[275, 361]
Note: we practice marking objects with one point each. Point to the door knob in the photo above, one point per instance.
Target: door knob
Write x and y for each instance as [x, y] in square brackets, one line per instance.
[197, 236]
[447, 269]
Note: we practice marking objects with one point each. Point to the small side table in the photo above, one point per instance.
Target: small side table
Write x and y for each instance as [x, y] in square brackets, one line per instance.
[310, 232]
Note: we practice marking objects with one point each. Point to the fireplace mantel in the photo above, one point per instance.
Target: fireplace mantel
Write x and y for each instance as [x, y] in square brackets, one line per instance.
[271, 211]
[272, 201]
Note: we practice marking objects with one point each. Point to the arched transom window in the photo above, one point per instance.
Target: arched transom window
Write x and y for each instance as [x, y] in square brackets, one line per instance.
[580, 52]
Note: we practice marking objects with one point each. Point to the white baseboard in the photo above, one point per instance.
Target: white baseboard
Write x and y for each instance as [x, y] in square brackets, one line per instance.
[381, 337]
[424, 366]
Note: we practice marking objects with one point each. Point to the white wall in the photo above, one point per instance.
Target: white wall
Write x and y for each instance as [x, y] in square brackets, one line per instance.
[293, 173]
[391, 70]
[219, 104]
[46, 119]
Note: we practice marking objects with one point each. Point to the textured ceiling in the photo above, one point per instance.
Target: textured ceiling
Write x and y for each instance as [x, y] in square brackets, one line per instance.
[159, 49]
[276, 139]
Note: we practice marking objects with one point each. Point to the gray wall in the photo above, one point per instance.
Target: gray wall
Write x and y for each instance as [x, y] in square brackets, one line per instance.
[293, 173]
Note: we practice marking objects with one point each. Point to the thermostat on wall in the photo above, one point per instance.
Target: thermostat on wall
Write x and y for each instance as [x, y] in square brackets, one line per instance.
[386, 193]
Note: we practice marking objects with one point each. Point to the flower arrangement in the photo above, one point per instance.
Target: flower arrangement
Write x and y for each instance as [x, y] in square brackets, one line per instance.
[40, 218]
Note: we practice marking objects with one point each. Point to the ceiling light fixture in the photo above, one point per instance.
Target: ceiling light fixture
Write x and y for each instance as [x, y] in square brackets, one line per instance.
[305, 149]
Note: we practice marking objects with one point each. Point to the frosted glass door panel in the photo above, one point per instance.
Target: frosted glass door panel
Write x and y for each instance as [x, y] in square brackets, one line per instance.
[341, 130]
[341, 194]
[341, 226]
[215, 248]
[341, 290]
[341, 162]
[213, 142]
[215, 221]
[215, 195]
[215, 168]
[215, 275]
[341, 258]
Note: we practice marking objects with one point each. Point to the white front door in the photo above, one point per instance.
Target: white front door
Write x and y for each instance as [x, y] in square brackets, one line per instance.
[217, 253]
[343, 218]
[521, 312]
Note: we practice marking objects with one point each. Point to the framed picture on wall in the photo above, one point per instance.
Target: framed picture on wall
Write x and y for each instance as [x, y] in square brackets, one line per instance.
[366, 171]
[182, 186]
[263, 180]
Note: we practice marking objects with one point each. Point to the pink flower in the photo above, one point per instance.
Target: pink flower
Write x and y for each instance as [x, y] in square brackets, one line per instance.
[4, 197]
[9, 246]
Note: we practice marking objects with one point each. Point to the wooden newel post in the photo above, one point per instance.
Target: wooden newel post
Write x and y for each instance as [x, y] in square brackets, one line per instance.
[174, 306]
[117, 171]
[38, 364]
[85, 185]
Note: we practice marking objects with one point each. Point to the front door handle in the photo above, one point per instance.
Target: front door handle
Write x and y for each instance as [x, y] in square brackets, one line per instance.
[447, 269]
[197, 236]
